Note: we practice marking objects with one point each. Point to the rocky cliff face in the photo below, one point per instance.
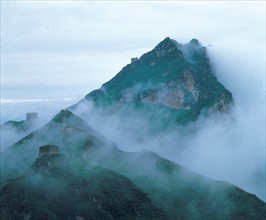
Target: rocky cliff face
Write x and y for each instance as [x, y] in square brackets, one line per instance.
[172, 75]
[173, 82]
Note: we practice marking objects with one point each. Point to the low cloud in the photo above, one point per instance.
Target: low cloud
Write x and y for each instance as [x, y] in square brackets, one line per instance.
[230, 147]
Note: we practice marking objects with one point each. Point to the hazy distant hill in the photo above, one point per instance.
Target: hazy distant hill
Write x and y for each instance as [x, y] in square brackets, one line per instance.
[65, 129]
[13, 131]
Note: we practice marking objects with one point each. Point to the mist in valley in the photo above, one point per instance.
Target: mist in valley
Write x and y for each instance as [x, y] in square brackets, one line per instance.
[227, 146]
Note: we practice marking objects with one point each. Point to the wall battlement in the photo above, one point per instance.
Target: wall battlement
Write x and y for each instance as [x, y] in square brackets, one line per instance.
[31, 116]
[48, 150]
[133, 59]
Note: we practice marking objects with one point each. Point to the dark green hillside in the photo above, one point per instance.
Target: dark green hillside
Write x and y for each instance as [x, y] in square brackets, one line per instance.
[180, 193]
[58, 187]
[183, 194]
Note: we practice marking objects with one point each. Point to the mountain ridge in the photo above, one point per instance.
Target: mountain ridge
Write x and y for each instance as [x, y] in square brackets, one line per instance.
[58, 187]
[173, 83]
[66, 130]
[172, 77]
[154, 175]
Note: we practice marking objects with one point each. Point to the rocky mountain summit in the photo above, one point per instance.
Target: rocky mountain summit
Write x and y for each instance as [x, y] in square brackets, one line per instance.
[90, 177]
[174, 77]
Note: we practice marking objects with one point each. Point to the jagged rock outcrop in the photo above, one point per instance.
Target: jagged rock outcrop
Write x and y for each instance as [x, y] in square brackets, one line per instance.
[172, 76]
[172, 83]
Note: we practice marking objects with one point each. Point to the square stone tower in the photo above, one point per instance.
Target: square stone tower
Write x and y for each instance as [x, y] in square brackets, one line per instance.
[48, 150]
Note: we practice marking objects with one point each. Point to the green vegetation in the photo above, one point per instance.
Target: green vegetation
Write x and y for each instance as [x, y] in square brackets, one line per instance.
[181, 193]
[163, 70]
[58, 187]
[96, 180]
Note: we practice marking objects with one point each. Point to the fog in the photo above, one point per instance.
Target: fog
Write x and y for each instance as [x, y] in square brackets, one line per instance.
[229, 147]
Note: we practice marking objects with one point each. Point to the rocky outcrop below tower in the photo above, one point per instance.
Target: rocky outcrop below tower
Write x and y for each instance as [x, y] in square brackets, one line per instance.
[175, 77]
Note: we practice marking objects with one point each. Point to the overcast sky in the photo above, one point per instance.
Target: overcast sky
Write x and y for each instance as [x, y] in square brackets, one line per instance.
[66, 49]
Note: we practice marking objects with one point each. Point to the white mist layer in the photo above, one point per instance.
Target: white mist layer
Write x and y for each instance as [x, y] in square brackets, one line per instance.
[15, 109]
[230, 147]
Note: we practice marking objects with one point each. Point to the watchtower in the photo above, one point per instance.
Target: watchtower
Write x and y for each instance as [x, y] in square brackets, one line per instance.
[133, 59]
[31, 116]
[48, 150]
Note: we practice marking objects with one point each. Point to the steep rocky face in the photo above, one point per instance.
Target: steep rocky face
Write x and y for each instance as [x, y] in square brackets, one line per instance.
[57, 187]
[174, 76]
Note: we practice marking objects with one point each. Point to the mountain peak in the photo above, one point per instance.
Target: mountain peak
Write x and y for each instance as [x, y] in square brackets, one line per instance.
[194, 42]
[71, 122]
[63, 115]
[165, 43]
[167, 48]
[174, 76]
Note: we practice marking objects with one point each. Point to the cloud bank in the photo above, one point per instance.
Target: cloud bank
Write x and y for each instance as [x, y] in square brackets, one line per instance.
[86, 43]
